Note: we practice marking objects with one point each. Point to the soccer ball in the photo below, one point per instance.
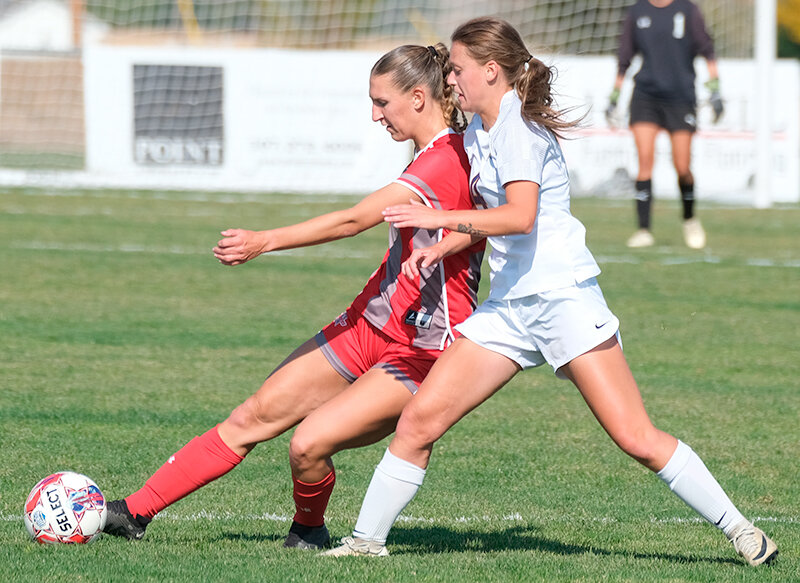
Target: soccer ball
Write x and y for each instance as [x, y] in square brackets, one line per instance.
[65, 507]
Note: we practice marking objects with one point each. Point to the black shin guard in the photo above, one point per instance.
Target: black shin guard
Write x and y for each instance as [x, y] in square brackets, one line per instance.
[644, 198]
[687, 198]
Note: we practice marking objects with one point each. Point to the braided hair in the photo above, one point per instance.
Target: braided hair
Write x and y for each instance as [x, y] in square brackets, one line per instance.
[412, 65]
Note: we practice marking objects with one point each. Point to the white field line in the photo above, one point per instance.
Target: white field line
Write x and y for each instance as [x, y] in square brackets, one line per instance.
[325, 251]
[260, 197]
[319, 251]
[206, 516]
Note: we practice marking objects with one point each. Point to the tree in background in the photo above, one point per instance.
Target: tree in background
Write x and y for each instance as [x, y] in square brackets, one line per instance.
[789, 29]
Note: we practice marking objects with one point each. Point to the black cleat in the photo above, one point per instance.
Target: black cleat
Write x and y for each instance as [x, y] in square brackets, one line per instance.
[309, 538]
[120, 522]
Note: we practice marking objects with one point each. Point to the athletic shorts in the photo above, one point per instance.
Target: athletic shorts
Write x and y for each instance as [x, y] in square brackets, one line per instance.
[555, 326]
[353, 346]
[669, 115]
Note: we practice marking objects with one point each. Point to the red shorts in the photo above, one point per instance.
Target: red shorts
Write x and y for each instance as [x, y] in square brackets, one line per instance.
[353, 346]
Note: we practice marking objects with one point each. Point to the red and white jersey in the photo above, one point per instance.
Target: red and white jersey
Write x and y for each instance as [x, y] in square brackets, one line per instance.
[423, 312]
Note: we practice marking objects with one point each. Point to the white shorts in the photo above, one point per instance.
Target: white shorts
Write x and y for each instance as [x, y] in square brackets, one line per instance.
[554, 327]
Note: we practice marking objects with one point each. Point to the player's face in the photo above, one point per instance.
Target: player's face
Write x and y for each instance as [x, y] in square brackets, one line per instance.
[393, 108]
[467, 78]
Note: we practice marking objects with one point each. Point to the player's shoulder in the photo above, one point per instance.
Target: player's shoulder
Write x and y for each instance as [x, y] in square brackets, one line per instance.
[514, 130]
[692, 9]
[449, 145]
[445, 152]
[685, 6]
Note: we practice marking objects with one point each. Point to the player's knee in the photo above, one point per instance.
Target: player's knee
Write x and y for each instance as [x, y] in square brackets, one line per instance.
[253, 423]
[305, 450]
[244, 417]
[417, 430]
[639, 443]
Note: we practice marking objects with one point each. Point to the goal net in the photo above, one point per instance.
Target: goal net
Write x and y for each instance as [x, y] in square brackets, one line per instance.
[162, 77]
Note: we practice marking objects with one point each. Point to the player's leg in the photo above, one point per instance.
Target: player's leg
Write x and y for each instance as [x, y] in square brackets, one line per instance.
[363, 414]
[605, 381]
[694, 235]
[464, 376]
[644, 136]
[301, 383]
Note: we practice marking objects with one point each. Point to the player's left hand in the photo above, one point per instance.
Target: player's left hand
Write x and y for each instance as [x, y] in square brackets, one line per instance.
[420, 259]
[414, 214]
[611, 110]
[716, 99]
[237, 246]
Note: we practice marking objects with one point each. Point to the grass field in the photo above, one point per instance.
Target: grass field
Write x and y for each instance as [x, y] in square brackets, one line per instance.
[122, 338]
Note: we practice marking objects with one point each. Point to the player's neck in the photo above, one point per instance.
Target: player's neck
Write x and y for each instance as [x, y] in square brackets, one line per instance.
[491, 110]
[426, 134]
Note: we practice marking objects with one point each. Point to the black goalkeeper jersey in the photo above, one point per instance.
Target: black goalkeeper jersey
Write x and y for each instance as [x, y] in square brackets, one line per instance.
[668, 39]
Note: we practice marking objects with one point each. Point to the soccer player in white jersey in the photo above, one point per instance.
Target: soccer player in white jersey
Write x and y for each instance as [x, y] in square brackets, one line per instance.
[347, 386]
[544, 305]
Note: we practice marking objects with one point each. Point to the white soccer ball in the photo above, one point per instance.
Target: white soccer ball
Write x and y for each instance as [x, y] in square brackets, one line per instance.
[65, 507]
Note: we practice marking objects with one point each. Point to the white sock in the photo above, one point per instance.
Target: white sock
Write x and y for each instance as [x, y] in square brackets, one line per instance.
[394, 483]
[687, 476]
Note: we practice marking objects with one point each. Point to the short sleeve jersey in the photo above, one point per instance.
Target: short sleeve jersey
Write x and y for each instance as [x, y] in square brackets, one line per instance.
[554, 254]
[423, 312]
[668, 38]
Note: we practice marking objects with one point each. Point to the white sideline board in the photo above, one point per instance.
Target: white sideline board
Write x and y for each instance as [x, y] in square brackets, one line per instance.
[292, 121]
[723, 155]
[300, 121]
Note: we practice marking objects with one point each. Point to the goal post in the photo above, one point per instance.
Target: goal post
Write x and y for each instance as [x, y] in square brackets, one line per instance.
[765, 38]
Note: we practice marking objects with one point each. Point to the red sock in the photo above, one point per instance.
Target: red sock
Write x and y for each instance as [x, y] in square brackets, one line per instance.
[202, 460]
[311, 500]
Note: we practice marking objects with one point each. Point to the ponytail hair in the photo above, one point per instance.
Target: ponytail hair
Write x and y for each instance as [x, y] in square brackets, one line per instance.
[492, 39]
[412, 65]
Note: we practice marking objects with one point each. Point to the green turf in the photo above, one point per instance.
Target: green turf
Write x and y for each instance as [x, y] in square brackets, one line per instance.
[41, 160]
[122, 338]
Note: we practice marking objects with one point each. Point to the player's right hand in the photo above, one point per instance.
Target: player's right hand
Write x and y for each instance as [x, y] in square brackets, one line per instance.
[238, 246]
[415, 214]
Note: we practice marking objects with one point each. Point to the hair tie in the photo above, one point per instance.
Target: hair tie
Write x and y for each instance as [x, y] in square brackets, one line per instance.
[525, 65]
[433, 52]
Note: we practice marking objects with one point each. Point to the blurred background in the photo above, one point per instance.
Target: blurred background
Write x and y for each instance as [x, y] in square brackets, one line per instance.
[271, 95]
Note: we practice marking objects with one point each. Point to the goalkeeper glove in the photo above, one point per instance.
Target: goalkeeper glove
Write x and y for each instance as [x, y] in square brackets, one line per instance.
[716, 99]
[612, 106]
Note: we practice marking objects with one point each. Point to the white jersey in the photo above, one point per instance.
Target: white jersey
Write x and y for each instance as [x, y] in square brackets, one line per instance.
[554, 254]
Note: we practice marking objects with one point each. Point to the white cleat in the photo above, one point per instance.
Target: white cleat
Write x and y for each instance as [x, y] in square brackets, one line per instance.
[752, 544]
[352, 547]
[693, 234]
[641, 238]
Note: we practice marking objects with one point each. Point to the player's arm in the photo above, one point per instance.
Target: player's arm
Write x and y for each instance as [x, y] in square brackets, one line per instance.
[516, 216]
[451, 244]
[240, 245]
[625, 52]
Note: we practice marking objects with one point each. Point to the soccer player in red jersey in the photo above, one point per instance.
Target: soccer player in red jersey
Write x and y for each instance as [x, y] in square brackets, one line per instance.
[347, 386]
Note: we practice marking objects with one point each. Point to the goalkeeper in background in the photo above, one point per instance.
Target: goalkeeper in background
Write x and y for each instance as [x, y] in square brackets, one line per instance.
[668, 34]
